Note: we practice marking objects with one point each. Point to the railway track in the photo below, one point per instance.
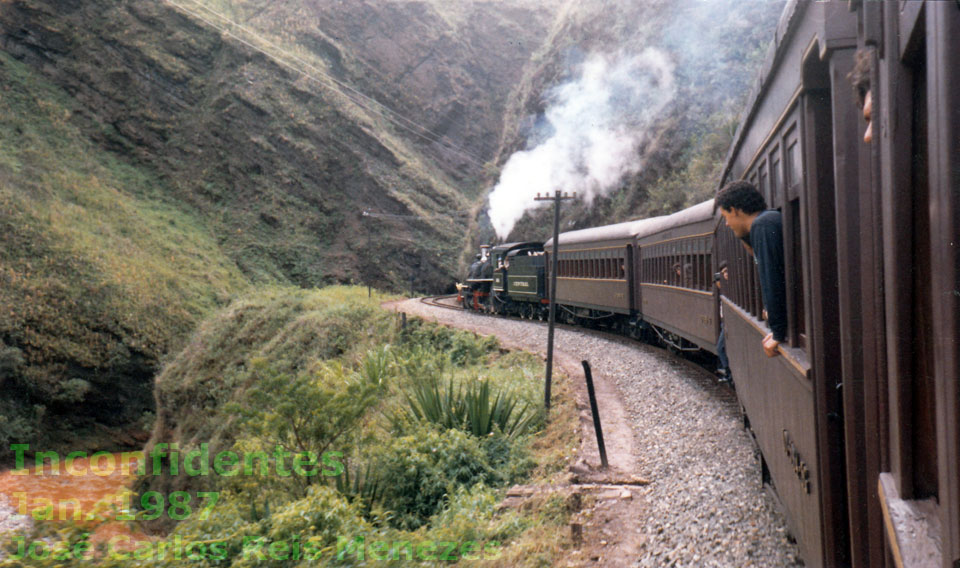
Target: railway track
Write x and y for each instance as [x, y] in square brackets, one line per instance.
[436, 301]
[698, 359]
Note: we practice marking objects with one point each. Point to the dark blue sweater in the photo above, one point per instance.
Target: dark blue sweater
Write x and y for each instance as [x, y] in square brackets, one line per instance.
[766, 238]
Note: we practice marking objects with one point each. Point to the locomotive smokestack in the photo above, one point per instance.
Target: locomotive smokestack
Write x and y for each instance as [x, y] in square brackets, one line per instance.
[484, 252]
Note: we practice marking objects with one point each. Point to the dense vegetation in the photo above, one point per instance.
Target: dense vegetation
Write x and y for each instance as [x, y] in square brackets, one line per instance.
[101, 274]
[409, 466]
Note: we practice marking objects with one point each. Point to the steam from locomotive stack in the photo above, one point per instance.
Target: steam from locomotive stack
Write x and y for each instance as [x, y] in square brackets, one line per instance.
[590, 133]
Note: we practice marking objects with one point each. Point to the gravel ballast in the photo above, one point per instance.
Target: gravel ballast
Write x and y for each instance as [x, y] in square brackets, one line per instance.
[705, 505]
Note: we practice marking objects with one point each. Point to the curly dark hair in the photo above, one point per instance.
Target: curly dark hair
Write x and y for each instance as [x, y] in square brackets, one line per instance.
[740, 194]
[860, 76]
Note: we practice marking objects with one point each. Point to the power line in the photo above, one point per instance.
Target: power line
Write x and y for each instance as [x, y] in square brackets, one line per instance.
[397, 119]
[395, 216]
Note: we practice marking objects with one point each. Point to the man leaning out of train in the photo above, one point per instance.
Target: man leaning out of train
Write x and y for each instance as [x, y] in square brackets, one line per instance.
[745, 212]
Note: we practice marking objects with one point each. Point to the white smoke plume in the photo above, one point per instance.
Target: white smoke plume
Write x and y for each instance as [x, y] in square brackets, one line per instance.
[596, 124]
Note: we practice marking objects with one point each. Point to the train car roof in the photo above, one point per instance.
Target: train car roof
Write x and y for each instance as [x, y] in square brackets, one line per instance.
[695, 214]
[517, 245]
[618, 231]
[638, 228]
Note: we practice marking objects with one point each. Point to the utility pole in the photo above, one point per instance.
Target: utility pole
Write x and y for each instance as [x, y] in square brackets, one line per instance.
[554, 263]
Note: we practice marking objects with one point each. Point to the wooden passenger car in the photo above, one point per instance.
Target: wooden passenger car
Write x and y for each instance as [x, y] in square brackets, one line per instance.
[858, 418]
[594, 266]
[792, 401]
[674, 278]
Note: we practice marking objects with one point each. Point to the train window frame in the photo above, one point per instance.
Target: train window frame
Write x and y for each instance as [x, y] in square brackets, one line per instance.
[793, 253]
[762, 177]
[776, 173]
[792, 161]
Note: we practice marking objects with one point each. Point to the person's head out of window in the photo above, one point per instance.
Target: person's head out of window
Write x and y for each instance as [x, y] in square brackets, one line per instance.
[860, 78]
[740, 203]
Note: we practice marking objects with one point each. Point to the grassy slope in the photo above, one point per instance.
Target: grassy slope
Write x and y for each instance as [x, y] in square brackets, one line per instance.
[456, 477]
[279, 166]
[331, 334]
[101, 275]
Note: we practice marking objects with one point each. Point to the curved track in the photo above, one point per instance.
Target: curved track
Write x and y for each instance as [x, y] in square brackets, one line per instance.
[436, 301]
[698, 357]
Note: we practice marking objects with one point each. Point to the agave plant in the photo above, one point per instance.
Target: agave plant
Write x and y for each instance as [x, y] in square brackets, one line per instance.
[376, 365]
[477, 409]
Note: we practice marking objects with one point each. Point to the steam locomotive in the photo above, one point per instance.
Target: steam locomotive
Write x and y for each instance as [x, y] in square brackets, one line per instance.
[858, 418]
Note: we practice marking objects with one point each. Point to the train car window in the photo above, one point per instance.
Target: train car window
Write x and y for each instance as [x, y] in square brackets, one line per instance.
[796, 315]
[776, 176]
[792, 163]
[921, 425]
[705, 267]
[695, 267]
[763, 187]
[704, 272]
[708, 268]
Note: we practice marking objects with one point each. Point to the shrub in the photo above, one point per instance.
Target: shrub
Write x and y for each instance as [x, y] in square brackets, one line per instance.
[475, 409]
[307, 412]
[461, 347]
[418, 470]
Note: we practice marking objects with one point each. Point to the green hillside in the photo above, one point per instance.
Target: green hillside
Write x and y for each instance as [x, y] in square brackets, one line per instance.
[101, 273]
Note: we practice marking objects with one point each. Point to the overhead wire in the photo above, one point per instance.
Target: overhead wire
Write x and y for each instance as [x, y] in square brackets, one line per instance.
[366, 213]
[330, 83]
